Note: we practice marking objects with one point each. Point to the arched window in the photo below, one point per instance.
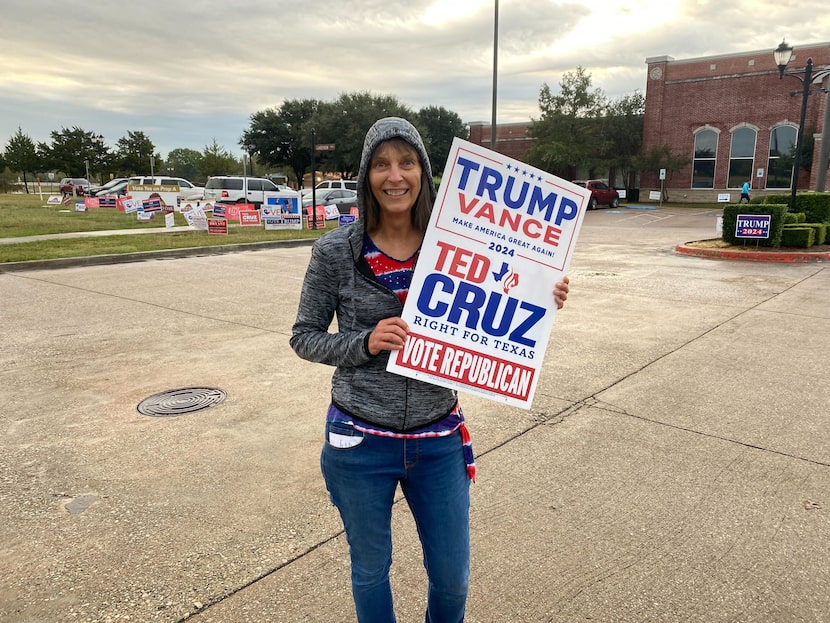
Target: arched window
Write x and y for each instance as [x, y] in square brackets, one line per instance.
[781, 155]
[706, 149]
[741, 156]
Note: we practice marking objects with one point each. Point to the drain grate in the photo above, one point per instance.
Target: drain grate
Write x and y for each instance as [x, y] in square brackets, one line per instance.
[181, 401]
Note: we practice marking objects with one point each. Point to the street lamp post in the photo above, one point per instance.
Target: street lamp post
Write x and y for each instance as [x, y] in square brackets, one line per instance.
[493, 127]
[313, 180]
[98, 142]
[782, 54]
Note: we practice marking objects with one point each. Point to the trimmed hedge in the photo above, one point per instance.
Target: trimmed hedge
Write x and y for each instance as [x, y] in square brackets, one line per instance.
[820, 230]
[800, 237]
[816, 206]
[780, 199]
[794, 218]
[776, 226]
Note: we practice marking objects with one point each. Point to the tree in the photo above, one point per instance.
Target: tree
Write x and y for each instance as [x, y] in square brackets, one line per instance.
[281, 137]
[184, 162]
[133, 153]
[216, 160]
[623, 129]
[345, 122]
[73, 151]
[569, 133]
[21, 155]
[660, 157]
[438, 127]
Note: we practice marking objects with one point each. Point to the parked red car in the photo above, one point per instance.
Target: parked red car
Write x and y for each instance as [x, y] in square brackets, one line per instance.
[601, 193]
[77, 184]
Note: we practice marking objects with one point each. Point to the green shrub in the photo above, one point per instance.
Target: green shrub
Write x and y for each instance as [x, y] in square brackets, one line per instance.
[794, 217]
[778, 199]
[776, 212]
[798, 237]
[820, 230]
[816, 206]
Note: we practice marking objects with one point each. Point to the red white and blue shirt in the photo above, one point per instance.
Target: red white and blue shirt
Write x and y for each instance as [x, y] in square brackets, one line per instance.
[397, 276]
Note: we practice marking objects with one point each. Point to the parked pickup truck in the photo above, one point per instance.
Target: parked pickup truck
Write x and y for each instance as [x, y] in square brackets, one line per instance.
[601, 194]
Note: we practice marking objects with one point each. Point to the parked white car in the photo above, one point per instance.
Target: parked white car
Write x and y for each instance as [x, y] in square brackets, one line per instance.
[326, 184]
[239, 189]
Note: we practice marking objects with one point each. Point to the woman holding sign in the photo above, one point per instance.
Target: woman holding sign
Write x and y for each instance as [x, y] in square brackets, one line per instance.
[382, 429]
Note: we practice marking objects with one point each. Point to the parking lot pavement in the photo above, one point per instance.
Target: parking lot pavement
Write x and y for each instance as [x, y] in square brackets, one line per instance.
[675, 465]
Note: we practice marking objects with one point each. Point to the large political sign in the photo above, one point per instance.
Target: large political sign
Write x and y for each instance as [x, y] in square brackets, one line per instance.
[281, 210]
[166, 194]
[480, 308]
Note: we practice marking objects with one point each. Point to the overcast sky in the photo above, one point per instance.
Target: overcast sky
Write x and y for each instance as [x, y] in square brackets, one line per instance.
[185, 73]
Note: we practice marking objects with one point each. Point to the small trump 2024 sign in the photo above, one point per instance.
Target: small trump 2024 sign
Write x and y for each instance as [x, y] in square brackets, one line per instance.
[752, 226]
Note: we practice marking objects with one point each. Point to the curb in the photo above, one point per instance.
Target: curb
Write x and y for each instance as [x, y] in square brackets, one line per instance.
[123, 258]
[792, 257]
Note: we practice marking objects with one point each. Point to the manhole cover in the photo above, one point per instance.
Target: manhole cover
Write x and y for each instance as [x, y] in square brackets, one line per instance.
[180, 401]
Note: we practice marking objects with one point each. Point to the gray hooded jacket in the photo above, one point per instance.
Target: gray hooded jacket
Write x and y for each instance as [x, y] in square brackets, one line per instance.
[339, 282]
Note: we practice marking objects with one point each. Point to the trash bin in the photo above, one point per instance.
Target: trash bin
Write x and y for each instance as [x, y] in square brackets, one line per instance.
[633, 195]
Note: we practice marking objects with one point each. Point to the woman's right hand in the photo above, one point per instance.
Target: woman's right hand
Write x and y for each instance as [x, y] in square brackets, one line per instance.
[389, 334]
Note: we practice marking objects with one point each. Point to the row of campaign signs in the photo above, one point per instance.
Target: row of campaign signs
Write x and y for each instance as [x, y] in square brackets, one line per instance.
[280, 210]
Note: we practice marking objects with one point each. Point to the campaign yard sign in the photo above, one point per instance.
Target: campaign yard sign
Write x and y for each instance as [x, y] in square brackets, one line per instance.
[108, 201]
[752, 226]
[319, 217]
[232, 210]
[281, 210]
[151, 205]
[480, 308]
[249, 218]
[217, 226]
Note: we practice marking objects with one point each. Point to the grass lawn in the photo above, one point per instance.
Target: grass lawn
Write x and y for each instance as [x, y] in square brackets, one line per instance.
[28, 215]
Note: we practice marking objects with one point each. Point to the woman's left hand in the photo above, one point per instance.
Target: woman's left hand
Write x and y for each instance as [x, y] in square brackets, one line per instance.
[560, 292]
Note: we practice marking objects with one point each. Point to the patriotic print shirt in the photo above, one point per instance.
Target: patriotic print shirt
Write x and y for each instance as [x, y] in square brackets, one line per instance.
[397, 276]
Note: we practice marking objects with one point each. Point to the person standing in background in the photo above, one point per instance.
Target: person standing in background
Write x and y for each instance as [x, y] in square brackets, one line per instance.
[745, 192]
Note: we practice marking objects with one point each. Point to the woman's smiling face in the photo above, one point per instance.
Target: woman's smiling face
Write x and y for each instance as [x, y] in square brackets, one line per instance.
[395, 176]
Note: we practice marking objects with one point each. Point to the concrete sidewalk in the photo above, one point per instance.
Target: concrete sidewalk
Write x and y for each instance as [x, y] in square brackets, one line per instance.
[675, 465]
[92, 234]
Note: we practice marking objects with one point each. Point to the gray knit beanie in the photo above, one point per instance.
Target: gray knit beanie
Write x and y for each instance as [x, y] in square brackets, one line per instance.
[383, 130]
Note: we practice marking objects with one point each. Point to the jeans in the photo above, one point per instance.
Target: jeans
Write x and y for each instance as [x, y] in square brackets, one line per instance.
[362, 473]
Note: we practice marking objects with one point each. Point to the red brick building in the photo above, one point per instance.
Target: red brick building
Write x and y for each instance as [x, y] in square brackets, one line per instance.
[511, 138]
[730, 115]
[734, 119]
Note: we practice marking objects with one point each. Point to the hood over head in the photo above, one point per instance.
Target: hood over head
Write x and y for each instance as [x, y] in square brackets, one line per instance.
[383, 130]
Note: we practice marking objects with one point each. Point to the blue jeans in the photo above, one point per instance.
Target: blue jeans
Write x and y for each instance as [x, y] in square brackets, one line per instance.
[362, 480]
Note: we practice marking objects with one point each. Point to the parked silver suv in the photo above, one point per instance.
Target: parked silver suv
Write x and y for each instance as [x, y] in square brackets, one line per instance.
[238, 189]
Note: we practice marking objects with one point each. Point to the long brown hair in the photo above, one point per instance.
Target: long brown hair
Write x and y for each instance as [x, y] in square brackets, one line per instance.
[421, 209]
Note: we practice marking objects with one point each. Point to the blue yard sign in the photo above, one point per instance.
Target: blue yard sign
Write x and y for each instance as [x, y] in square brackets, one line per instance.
[752, 226]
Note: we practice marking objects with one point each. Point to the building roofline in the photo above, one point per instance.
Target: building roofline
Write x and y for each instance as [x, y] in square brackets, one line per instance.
[697, 59]
[487, 124]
